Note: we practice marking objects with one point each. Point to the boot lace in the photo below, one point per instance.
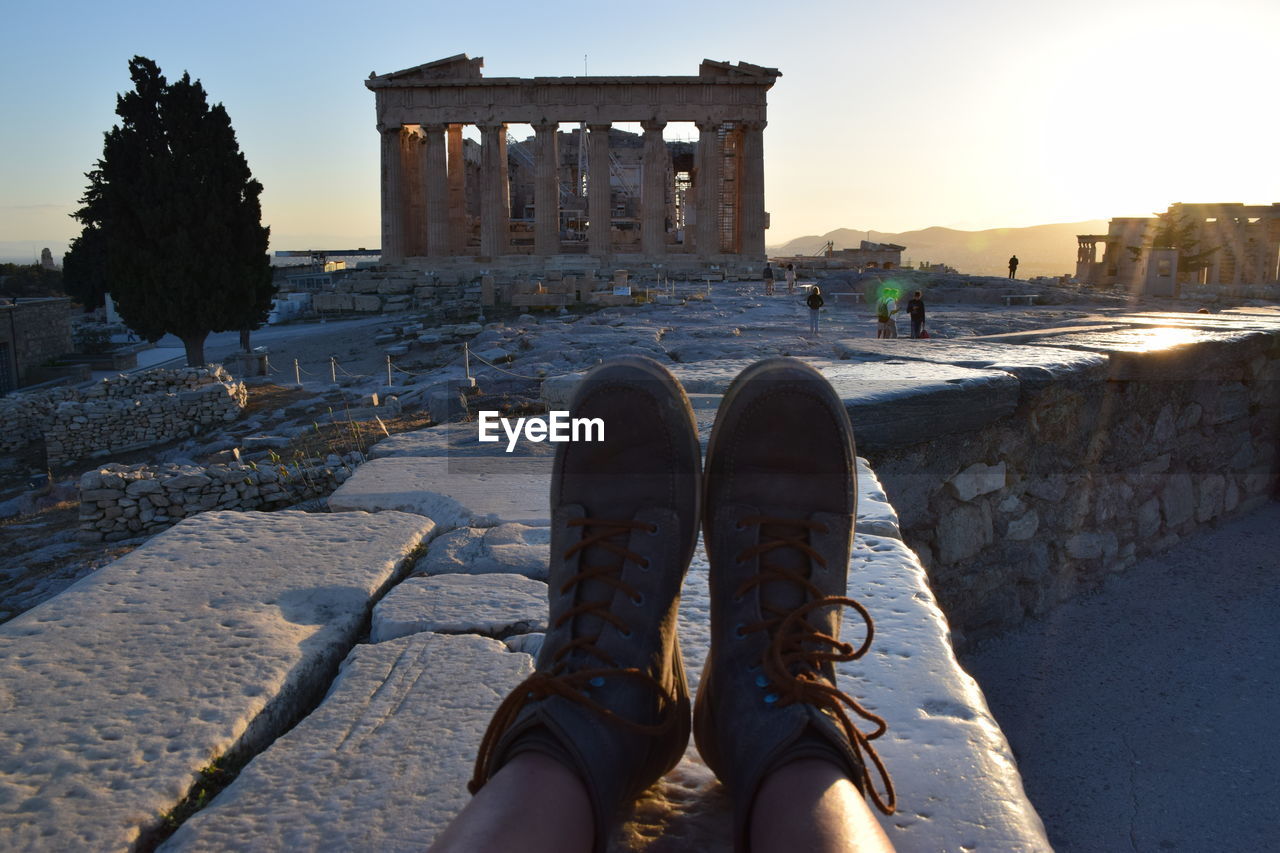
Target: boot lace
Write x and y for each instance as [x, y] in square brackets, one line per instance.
[574, 684]
[797, 650]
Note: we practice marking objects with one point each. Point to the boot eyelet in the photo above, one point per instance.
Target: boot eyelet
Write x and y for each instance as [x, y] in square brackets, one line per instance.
[653, 530]
[598, 681]
[770, 698]
[638, 600]
[761, 681]
[738, 632]
[754, 668]
[644, 564]
[626, 635]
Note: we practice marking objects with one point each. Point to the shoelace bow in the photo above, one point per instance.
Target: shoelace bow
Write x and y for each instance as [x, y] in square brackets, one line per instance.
[797, 650]
[572, 685]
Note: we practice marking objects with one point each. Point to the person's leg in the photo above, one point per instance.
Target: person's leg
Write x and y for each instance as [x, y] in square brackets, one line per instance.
[608, 700]
[534, 803]
[811, 805]
[778, 526]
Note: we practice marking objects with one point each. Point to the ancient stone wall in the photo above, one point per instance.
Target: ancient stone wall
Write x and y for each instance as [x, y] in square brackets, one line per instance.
[124, 412]
[1088, 475]
[122, 501]
[37, 331]
[380, 293]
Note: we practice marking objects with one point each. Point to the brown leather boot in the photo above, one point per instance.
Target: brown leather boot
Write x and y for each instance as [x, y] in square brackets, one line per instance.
[609, 698]
[778, 526]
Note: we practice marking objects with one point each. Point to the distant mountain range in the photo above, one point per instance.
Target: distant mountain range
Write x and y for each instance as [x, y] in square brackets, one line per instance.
[1041, 249]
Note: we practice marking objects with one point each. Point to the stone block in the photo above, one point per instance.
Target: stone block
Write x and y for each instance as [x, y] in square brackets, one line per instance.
[495, 605]
[1084, 546]
[395, 286]
[1177, 499]
[382, 764]
[207, 640]
[506, 548]
[963, 532]
[1213, 489]
[366, 303]
[978, 479]
[1023, 527]
[1149, 519]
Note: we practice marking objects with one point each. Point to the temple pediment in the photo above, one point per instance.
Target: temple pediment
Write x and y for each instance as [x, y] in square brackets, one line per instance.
[457, 67]
[712, 68]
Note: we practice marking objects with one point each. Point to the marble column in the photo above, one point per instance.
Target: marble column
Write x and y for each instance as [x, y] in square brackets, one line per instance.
[546, 191]
[392, 209]
[653, 192]
[415, 193]
[599, 194]
[710, 159]
[459, 230]
[436, 177]
[752, 217]
[495, 191]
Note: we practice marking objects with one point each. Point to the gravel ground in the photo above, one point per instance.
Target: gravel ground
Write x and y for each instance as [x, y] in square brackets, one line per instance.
[1143, 716]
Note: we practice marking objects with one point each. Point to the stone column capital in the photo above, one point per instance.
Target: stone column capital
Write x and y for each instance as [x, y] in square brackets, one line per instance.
[653, 124]
[492, 126]
[434, 128]
[600, 128]
[708, 125]
[753, 124]
[545, 126]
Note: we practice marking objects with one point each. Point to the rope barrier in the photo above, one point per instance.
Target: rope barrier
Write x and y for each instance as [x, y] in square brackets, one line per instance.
[503, 370]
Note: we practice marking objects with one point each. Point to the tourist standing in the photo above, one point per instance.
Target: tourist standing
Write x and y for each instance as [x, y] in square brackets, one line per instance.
[1013, 266]
[791, 278]
[886, 325]
[768, 279]
[815, 303]
[915, 310]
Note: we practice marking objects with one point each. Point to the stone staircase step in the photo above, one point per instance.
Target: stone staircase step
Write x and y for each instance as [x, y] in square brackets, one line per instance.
[203, 644]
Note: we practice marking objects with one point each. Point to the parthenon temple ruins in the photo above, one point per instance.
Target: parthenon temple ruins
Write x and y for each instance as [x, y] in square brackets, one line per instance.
[588, 195]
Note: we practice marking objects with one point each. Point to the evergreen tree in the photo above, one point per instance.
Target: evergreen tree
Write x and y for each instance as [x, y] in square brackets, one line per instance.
[172, 215]
[1178, 231]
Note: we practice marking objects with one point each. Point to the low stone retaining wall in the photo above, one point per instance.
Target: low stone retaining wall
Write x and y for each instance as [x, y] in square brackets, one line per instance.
[122, 501]
[122, 413]
[1097, 466]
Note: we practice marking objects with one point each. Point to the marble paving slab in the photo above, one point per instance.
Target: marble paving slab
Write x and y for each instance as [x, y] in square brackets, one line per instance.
[205, 642]
[381, 765]
[465, 492]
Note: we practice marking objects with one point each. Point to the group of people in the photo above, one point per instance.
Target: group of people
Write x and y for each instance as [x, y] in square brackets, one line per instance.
[769, 275]
[886, 307]
[887, 310]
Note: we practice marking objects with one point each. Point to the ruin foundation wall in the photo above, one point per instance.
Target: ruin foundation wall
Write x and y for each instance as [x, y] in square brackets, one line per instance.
[122, 413]
[1088, 475]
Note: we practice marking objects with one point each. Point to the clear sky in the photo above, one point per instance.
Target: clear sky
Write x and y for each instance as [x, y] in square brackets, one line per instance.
[890, 115]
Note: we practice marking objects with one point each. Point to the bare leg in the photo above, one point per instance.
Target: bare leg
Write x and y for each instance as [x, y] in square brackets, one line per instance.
[532, 804]
[810, 805]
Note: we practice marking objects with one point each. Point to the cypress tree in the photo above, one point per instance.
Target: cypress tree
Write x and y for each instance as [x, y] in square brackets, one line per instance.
[172, 214]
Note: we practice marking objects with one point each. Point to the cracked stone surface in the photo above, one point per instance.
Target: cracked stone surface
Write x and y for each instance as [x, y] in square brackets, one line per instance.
[381, 765]
[208, 639]
[507, 548]
[495, 605]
